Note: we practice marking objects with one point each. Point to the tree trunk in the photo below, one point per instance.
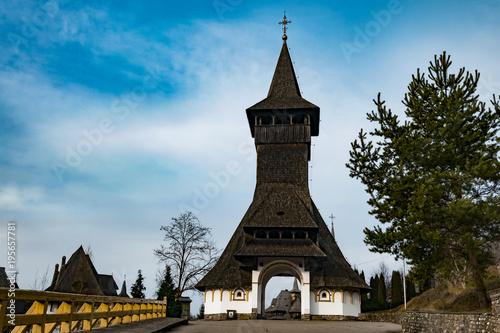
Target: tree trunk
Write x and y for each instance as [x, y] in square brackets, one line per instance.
[478, 279]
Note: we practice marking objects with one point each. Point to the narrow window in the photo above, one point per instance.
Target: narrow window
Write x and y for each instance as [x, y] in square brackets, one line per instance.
[260, 234]
[300, 235]
[274, 234]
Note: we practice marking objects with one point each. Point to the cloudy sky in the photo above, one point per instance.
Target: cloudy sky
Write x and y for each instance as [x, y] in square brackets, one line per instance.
[117, 116]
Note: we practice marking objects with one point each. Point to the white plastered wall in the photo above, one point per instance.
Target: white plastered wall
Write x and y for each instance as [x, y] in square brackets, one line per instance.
[337, 302]
[215, 304]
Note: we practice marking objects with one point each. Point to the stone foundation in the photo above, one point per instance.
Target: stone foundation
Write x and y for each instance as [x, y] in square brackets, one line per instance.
[385, 317]
[248, 316]
[334, 317]
[223, 316]
[216, 316]
[445, 322]
[243, 316]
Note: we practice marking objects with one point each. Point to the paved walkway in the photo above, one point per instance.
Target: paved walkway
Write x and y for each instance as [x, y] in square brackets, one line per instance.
[147, 326]
[286, 326]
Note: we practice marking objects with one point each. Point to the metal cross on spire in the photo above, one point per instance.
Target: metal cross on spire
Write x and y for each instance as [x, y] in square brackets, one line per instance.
[284, 23]
[333, 232]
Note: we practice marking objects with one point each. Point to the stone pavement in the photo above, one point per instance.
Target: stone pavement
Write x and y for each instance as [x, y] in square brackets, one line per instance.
[147, 326]
[286, 326]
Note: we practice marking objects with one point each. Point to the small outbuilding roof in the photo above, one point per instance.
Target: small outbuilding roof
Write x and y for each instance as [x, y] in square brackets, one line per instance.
[79, 276]
[123, 291]
[108, 285]
[4, 279]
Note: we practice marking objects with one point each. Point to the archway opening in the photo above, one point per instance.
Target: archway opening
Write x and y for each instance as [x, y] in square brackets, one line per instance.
[281, 300]
[280, 292]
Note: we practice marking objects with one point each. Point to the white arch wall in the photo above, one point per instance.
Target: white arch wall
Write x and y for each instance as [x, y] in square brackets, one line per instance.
[267, 268]
[354, 308]
[343, 303]
[214, 304]
[341, 306]
[337, 305]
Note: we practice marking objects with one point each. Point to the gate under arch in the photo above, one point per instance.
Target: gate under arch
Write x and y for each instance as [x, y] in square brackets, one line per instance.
[261, 277]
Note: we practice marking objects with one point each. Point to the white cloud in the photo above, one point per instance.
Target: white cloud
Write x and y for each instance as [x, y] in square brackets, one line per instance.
[15, 198]
[122, 190]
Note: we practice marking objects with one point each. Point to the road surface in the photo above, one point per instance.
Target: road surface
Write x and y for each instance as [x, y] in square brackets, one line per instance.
[285, 326]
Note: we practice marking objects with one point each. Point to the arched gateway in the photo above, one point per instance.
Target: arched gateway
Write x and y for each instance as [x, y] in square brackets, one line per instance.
[282, 233]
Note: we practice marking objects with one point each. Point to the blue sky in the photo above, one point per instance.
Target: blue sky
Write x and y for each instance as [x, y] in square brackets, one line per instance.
[115, 116]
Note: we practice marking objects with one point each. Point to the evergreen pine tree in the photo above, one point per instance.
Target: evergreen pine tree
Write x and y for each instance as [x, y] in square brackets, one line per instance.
[201, 314]
[433, 177]
[382, 292]
[137, 289]
[374, 282]
[364, 296]
[166, 289]
[371, 303]
[410, 289]
[396, 289]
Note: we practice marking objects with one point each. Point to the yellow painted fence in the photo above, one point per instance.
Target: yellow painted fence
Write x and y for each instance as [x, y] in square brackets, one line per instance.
[48, 311]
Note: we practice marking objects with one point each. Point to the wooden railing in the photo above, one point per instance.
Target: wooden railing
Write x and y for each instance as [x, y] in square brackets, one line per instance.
[47, 311]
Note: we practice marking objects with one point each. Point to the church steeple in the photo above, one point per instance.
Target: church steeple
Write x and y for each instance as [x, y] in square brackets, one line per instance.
[282, 232]
[284, 83]
[284, 103]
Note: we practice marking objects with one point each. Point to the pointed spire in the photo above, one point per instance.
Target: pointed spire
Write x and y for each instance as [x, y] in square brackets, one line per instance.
[284, 83]
[123, 291]
[333, 232]
[284, 94]
[295, 288]
[54, 278]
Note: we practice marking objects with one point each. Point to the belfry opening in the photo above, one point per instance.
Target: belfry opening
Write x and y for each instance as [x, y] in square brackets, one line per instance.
[282, 233]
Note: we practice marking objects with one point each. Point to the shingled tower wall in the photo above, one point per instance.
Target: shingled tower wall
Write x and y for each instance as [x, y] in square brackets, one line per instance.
[282, 233]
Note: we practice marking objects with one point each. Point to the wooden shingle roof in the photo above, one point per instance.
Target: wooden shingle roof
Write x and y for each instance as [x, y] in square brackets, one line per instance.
[329, 268]
[79, 276]
[281, 248]
[108, 285]
[284, 92]
[284, 95]
[279, 206]
[123, 291]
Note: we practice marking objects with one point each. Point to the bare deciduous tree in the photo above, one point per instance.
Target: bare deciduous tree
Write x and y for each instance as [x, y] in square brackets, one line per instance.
[41, 281]
[189, 251]
[89, 253]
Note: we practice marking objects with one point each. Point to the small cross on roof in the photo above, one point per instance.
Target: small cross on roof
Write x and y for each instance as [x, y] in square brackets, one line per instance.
[284, 23]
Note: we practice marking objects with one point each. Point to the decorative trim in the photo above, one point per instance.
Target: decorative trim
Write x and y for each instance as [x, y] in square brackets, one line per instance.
[359, 297]
[317, 295]
[341, 295]
[222, 294]
[272, 264]
[242, 297]
[320, 295]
